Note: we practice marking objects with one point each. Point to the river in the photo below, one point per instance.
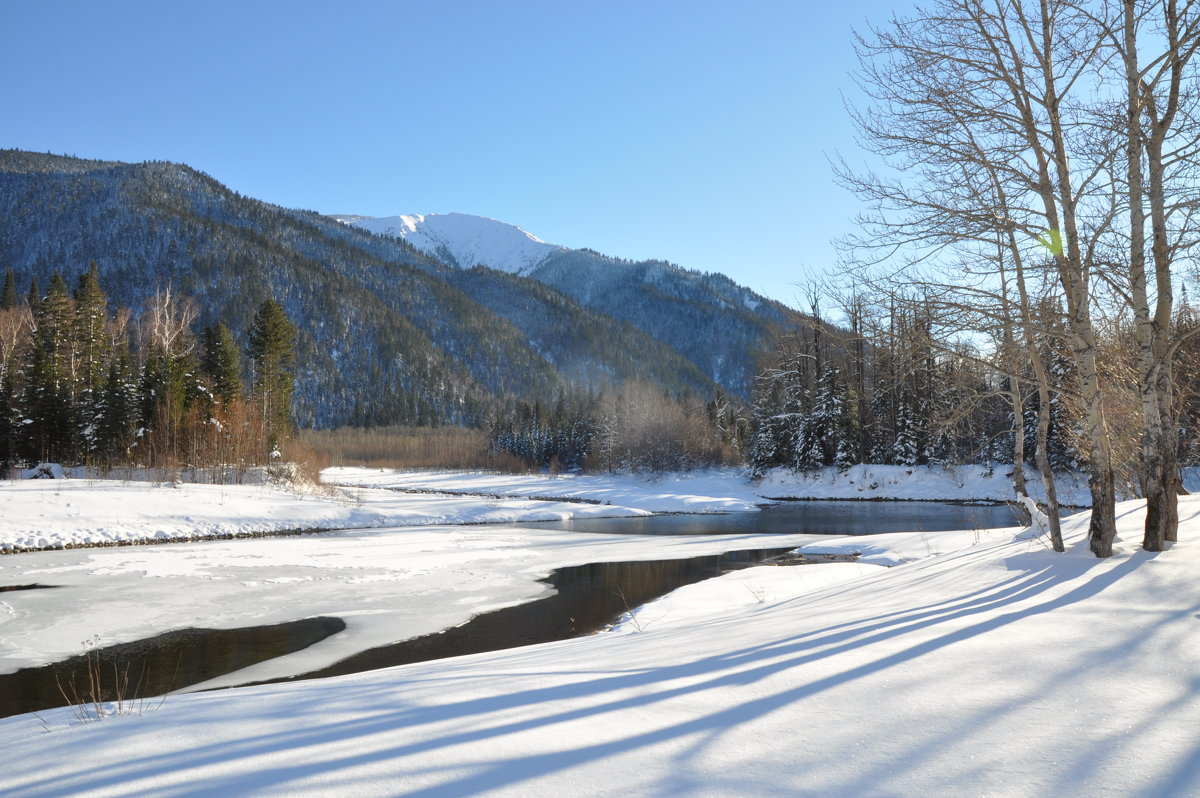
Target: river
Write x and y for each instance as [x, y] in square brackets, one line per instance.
[585, 598]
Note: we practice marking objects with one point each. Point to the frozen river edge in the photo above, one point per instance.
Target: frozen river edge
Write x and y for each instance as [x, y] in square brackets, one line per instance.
[38, 515]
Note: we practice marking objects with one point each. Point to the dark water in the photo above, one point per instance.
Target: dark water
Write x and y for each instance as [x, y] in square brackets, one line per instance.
[586, 598]
[808, 517]
[156, 665]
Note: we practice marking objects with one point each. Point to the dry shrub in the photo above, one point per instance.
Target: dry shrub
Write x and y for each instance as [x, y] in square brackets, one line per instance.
[306, 460]
[643, 430]
[405, 447]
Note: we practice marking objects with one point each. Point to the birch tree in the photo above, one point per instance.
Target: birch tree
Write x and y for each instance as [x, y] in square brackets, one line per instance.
[974, 105]
[1155, 43]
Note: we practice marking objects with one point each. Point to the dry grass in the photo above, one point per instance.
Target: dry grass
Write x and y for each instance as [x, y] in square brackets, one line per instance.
[99, 695]
[402, 447]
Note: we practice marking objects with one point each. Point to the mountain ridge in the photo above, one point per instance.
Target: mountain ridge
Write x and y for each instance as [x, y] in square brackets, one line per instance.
[389, 334]
[622, 289]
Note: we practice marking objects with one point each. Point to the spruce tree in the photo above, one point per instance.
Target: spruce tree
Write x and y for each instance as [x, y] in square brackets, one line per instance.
[221, 364]
[271, 347]
[117, 412]
[8, 298]
[8, 417]
[90, 355]
[91, 314]
[49, 429]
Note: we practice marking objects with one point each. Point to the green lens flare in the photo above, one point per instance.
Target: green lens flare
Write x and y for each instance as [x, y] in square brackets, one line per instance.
[1053, 241]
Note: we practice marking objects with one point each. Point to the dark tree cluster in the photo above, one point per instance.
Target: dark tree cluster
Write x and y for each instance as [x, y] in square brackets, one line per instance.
[81, 383]
[893, 390]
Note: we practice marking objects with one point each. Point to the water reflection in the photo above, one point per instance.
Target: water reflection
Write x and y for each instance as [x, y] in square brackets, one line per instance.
[158, 664]
[816, 518]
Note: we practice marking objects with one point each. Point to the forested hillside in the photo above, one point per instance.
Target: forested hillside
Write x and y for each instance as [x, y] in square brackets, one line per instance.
[709, 319]
[385, 333]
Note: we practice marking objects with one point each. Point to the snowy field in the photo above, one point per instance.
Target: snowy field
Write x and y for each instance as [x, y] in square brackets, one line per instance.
[980, 663]
[729, 490]
[918, 483]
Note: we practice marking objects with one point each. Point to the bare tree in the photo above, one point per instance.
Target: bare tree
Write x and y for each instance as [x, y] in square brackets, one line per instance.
[973, 104]
[1160, 128]
[166, 323]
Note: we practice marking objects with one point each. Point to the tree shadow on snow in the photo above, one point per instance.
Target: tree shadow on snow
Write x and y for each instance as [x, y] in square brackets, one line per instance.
[1032, 577]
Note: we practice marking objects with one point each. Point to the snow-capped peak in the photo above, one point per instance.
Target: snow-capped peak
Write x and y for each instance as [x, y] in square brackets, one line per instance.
[464, 240]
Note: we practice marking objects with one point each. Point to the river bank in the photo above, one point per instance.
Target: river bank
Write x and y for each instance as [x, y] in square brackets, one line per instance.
[50, 514]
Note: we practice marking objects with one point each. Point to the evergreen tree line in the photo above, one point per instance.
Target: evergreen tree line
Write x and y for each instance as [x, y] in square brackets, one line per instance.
[82, 384]
[895, 387]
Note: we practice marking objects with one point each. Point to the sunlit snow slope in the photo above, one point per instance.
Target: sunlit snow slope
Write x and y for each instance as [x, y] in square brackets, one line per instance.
[464, 240]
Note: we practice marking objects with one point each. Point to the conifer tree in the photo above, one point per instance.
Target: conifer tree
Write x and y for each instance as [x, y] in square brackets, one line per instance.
[221, 364]
[8, 420]
[848, 446]
[91, 313]
[271, 347]
[49, 427]
[117, 412]
[8, 298]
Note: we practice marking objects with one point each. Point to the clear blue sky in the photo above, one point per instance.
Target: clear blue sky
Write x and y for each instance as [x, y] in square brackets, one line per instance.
[693, 131]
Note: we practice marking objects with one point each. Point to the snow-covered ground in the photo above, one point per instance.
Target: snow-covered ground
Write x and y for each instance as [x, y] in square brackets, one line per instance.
[721, 490]
[730, 490]
[983, 664]
[444, 574]
[918, 483]
[52, 513]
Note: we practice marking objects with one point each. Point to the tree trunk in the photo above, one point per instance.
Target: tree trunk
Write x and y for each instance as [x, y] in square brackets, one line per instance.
[1043, 463]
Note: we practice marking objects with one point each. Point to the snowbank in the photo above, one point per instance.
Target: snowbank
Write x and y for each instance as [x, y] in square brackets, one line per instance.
[65, 512]
[917, 483]
[58, 513]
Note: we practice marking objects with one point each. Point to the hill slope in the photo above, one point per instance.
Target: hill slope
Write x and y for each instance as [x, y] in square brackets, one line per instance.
[711, 320]
[387, 333]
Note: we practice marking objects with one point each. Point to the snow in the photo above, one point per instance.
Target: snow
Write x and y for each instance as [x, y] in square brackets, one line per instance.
[917, 483]
[718, 490]
[707, 600]
[469, 240]
[39, 514]
[444, 574]
[979, 663]
[998, 668]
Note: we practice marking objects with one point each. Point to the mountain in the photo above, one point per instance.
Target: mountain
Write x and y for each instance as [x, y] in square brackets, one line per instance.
[463, 240]
[706, 317]
[436, 324]
[387, 333]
